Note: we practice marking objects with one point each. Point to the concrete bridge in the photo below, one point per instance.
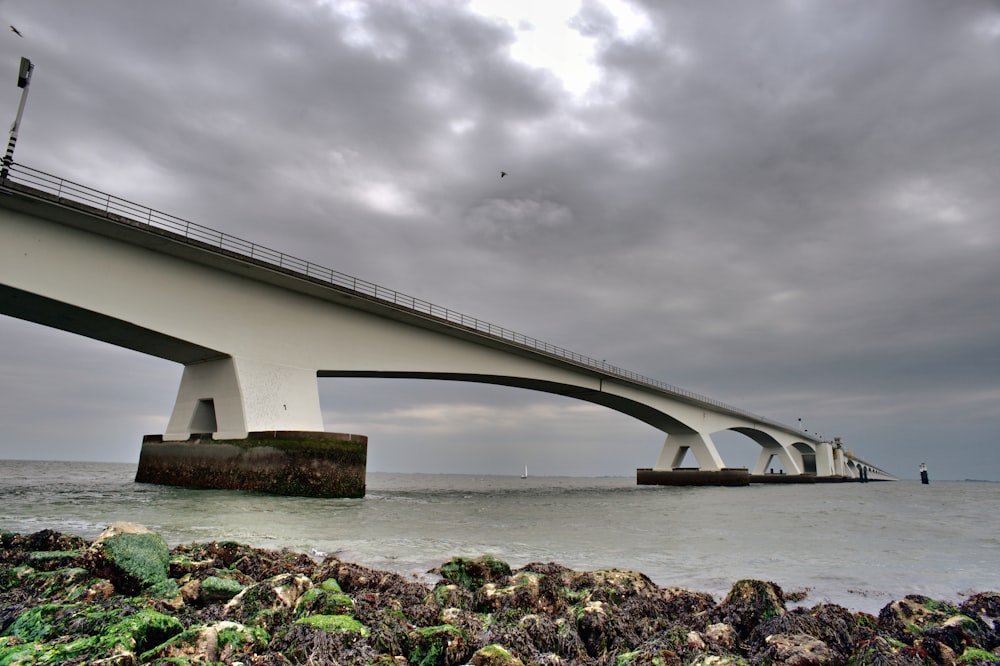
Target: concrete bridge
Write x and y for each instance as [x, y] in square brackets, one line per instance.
[255, 328]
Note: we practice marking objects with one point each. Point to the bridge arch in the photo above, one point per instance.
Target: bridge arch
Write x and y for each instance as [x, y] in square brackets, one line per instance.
[681, 427]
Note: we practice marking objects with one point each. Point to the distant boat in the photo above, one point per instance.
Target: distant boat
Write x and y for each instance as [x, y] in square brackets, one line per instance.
[525, 475]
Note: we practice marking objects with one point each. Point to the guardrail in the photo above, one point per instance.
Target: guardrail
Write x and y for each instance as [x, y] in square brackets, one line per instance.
[108, 203]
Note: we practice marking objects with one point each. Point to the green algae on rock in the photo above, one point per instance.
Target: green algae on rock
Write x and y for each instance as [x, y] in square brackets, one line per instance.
[63, 601]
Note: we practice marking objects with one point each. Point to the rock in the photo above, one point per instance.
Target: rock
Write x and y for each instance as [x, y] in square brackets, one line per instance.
[133, 558]
[320, 601]
[325, 639]
[916, 616]
[474, 573]
[522, 590]
[879, 651]
[718, 660]
[748, 604]
[836, 627]
[494, 655]
[214, 589]
[721, 636]
[450, 595]
[985, 606]
[292, 610]
[796, 650]
[444, 644]
[553, 636]
[268, 603]
[681, 602]
[937, 652]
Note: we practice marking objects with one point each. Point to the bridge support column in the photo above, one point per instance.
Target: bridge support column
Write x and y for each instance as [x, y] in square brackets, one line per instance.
[700, 445]
[824, 459]
[791, 465]
[234, 396]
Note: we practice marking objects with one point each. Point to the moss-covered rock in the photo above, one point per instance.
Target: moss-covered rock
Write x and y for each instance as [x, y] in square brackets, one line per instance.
[214, 589]
[133, 558]
[443, 645]
[319, 601]
[474, 573]
[748, 604]
[494, 655]
[985, 606]
[56, 609]
[268, 603]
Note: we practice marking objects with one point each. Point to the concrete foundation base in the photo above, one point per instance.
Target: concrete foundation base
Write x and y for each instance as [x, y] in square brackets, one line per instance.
[303, 464]
[729, 476]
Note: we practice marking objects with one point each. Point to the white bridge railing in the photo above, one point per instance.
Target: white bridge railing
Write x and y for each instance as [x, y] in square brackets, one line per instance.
[69, 192]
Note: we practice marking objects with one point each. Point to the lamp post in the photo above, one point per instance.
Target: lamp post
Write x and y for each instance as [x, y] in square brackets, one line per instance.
[23, 81]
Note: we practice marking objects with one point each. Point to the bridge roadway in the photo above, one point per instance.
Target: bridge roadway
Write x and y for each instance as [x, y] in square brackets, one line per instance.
[255, 328]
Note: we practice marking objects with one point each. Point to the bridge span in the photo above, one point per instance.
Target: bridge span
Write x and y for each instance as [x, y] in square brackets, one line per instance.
[255, 329]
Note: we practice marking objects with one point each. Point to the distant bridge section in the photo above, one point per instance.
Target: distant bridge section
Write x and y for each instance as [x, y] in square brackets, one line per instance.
[254, 328]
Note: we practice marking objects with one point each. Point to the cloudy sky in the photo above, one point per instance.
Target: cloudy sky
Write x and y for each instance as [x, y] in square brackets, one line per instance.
[789, 206]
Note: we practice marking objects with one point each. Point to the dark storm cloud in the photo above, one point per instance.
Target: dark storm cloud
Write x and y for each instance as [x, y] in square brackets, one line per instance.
[790, 206]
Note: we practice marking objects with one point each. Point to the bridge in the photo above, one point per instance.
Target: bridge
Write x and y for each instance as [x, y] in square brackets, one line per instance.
[255, 328]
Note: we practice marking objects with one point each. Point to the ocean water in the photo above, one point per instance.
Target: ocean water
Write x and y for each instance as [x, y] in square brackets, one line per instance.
[857, 545]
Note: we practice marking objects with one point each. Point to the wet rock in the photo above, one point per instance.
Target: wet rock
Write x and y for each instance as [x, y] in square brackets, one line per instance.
[269, 603]
[720, 637]
[450, 595]
[881, 651]
[695, 606]
[325, 639]
[675, 646]
[214, 589]
[834, 626]
[133, 558]
[474, 573]
[936, 652]
[916, 616]
[599, 628]
[522, 590]
[796, 650]
[748, 604]
[321, 600]
[985, 606]
[718, 660]
[444, 644]
[554, 636]
[215, 642]
[494, 655]
[55, 609]
[960, 632]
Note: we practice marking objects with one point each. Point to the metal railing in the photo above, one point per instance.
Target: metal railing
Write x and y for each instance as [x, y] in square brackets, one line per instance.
[70, 192]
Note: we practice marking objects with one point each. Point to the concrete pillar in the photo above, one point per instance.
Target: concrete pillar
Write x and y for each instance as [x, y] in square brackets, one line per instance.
[792, 464]
[824, 459]
[700, 445]
[234, 396]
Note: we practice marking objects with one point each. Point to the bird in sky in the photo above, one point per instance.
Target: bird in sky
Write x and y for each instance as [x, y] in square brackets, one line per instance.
[16, 31]
[502, 173]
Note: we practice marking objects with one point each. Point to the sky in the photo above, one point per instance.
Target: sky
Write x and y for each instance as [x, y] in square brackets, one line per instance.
[789, 206]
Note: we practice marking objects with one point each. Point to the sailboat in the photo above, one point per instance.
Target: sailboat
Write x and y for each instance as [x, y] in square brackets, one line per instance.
[525, 475]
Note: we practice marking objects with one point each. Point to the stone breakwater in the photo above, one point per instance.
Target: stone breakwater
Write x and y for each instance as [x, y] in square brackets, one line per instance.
[126, 598]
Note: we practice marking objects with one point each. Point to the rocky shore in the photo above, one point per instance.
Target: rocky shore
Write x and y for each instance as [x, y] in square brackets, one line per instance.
[127, 598]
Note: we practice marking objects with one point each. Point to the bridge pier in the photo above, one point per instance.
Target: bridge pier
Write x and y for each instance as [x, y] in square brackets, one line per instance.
[245, 424]
[768, 452]
[302, 464]
[699, 444]
[233, 396]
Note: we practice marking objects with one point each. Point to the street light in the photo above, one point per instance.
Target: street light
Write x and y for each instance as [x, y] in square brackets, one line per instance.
[23, 81]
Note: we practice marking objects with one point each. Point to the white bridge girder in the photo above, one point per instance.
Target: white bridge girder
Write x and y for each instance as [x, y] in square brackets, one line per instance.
[254, 340]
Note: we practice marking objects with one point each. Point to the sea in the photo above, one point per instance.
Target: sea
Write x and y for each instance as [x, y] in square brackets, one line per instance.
[857, 545]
